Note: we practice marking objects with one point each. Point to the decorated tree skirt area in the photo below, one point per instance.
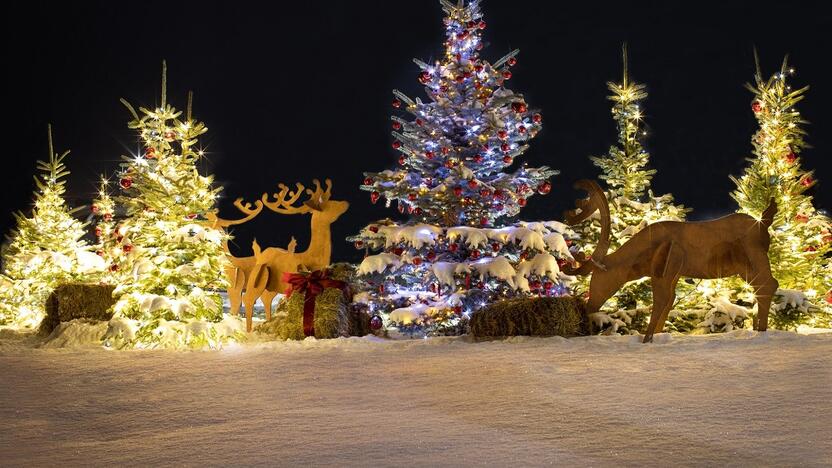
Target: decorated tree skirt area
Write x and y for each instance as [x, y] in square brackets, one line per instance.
[741, 398]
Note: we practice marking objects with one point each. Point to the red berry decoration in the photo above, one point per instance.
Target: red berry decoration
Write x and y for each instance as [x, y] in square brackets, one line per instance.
[417, 211]
[457, 190]
[412, 196]
[368, 181]
[548, 285]
[537, 118]
[373, 229]
[756, 106]
[483, 221]
[505, 147]
[374, 198]
[512, 62]
[396, 144]
[126, 182]
[396, 103]
[472, 183]
[518, 107]
[521, 201]
[475, 254]
[502, 134]
[376, 322]
[508, 160]
[544, 188]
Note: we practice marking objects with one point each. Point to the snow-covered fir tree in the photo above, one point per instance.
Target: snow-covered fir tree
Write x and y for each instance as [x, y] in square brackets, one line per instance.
[173, 262]
[45, 249]
[459, 179]
[801, 239]
[107, 245]
[625, 171]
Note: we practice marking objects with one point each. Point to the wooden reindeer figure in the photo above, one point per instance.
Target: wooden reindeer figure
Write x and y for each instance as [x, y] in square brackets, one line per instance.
[238, 268]
[736, 244]
[266, 279]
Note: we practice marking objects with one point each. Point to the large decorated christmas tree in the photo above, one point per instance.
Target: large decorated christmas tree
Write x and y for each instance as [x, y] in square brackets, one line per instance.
[459, 179]
[625, 171]
[45, 249]
[801, 239]
[172, 267]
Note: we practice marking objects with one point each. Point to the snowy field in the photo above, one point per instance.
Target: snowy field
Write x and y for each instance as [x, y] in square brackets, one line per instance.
[741, 399]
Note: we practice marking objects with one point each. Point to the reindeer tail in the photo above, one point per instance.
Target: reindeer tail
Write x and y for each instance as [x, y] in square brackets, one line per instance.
[768, 214]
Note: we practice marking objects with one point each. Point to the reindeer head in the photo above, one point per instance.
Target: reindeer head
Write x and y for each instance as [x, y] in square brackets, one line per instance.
[318, 203]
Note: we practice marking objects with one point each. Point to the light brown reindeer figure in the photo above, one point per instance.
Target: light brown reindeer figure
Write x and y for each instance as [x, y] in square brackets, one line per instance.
[736, 244]
[266, 279]
[238, 268]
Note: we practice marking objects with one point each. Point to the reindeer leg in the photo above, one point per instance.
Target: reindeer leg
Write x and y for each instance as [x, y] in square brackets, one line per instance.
[235, 292]
[256, 286]
[267, 298]
[765, 285]
[665, 266]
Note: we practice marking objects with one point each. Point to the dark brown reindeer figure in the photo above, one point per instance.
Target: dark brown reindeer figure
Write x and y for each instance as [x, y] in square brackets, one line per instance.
[736, 244]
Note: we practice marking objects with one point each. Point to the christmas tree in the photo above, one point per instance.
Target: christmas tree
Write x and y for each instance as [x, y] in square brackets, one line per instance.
[173, 259]
[459, 180]
[801, 240]
[632, 204]
[106, 247]
[45, 249]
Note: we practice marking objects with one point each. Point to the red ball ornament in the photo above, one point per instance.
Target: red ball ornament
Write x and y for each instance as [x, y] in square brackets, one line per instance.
[481, 25]
[429, 154]
[519, 107]
[444, 150]
[359, 244]
[170, 135]
[496, 247]
[521, 201]
[373, 229]
[521, 130]
[402, 160]
[483, 221]
[150, 153]
[806, 182]
[453, 247]
[756, 106]
[475, 254]
[544, 188]
[485, 193]
[512, 62]
[419, 122]
[537, 118]
[801, 218]
[396, 144]
[506, 75]
[108, 216]
[431, 256]
[424, 77]
[507, 160]
[398, 251]
[522, 188]
[417, 211]
[460, 78]
[376, 322]
[505, 147]
[502, 134]
[396, 125]
[462, 36]
[416, 261]
[412, 196]
[100, 253]
[374, 197]
[479, 46]
[534, 285]
[95, 209]
[829, 297]
[790, 157]
[127, 248]
[113, 267]
[368, 181]
[396, 103]
[498, 193]
[457, 190]
[811, 248]
[472, 183]
[477, 158]
[126, 182]
[548, 285]
[478, 67]
[98, 231]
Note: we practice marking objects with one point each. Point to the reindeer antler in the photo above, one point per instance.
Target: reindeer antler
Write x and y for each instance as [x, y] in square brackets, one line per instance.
[584, 208]
[284, 205]
[244, 207]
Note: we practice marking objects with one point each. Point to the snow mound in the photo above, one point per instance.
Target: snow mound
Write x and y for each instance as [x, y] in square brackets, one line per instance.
[76, 334]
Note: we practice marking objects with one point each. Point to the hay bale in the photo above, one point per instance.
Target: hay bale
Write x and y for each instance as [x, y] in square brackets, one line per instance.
[331, 317]
[72, 301]
[544, 316]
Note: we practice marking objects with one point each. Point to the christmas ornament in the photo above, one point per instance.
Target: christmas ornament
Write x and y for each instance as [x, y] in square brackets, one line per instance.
[429, 154]
[368, 181]
[507, 75]
[402, 160]
[396, 103]
[521, 130]
[472, 184]
[359, 244]
[397, 125]
[756, 106]
[127, 248]
[416, 261]
[374, 197]
[126, 182]
[108, 217]
[502, 134]
[412, 196]
[150, 153]
[475, 254]
[95, 209]
[373, 229]
[512, 62]
[807, 181]
[537, 118]
[790, 157]
[507, 160]
[424, 77]
[544, 188]
[457, 190]
[505, 147]
[98, 231]
[521, 201]
[170, 135]
[518, 107]
[396, 144]
[376, 322]
[398, 251]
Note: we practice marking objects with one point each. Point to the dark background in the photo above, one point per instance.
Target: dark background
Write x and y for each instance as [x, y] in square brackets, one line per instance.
[291, 95]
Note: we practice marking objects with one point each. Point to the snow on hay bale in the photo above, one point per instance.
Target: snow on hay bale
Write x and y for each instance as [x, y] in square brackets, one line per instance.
[77, 301]
[544, 316]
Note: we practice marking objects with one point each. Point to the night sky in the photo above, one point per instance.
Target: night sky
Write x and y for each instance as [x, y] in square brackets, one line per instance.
[292, 95]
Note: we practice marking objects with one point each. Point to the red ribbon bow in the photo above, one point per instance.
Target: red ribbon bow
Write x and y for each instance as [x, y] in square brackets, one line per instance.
[312, 284]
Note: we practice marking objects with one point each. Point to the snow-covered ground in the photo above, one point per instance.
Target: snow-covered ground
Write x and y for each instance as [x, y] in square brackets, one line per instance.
[742, 399]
